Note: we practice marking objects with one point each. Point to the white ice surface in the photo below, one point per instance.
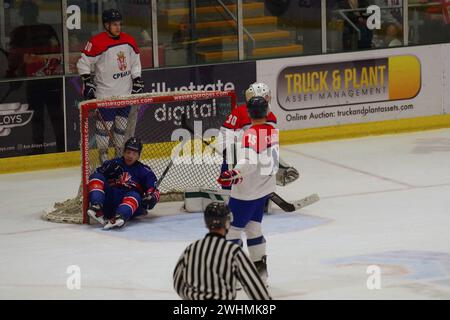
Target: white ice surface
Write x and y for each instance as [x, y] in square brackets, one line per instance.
[384, 201]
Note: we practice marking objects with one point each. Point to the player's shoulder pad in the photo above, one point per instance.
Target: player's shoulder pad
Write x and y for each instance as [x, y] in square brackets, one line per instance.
[260, 137]
[234, 119]
[97, 44]
[271, 118]
[240, 110]
[145, 167]
[242, 116]
[128, 39]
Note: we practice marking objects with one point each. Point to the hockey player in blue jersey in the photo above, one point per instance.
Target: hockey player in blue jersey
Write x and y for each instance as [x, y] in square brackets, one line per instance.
[122, 188]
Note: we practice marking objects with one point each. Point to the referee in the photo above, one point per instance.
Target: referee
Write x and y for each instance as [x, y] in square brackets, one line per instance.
[211, 267]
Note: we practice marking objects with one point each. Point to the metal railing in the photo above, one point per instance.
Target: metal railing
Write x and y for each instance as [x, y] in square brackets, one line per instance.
[240, 27]
[409, 11]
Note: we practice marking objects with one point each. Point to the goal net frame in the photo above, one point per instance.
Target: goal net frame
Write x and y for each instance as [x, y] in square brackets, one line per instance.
[87, 107]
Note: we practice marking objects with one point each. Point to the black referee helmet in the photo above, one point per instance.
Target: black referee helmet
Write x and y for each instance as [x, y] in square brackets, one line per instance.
[217, 215]
[257, 107]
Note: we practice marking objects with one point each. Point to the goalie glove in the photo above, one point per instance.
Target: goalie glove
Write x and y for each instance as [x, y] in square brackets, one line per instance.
[229, 177]
[89, 87]
[138, 86]
[150, 199]
[286, 175]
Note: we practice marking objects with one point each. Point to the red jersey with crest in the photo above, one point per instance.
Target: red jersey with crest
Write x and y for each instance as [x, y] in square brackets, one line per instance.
[235, 124]
[115, 62]
[258, 157]
[240, 120]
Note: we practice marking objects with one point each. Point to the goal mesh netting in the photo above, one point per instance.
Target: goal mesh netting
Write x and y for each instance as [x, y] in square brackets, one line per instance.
[156, 119]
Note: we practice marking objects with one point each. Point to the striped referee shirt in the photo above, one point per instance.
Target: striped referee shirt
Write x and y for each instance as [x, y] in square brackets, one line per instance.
[210, 268]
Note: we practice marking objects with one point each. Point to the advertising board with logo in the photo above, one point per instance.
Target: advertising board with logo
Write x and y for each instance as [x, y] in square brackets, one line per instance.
[31, 117]
[365, 86]
[165, 118]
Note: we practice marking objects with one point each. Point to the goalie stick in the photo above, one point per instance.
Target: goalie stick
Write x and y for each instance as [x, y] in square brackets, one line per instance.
[184, 125]
[296, 205]
[283, 204]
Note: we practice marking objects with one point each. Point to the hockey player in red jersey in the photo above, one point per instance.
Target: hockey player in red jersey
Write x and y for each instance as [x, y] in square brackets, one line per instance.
[114, 56]
[238, 121]
[252, 180]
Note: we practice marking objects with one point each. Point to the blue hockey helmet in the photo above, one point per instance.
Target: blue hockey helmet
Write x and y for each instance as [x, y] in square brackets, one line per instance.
[133, 144]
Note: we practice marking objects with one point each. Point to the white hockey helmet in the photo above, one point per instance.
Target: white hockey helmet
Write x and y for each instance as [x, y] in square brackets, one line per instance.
[258, 89]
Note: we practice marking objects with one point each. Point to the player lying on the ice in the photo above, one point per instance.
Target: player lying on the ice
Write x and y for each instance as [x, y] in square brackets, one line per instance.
[122, 188]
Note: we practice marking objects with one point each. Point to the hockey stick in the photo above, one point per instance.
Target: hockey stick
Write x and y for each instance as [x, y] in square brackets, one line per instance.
[284, 205]
[166, 170]
[296, 205]
[184, 125]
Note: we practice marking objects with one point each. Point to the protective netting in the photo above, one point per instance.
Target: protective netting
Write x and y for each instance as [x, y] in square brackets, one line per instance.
[161, 121]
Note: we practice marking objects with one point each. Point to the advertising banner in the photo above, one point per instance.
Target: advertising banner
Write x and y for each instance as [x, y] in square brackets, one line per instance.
[336, 89]
[31, 117]
[166, 117]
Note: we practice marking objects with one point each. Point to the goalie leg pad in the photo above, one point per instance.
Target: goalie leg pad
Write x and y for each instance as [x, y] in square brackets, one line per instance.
[102, 138]
[120, 126]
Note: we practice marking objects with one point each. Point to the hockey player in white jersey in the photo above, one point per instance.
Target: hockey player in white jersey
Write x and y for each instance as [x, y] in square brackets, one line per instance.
[252, 180]
[114, 58]
[238, 121]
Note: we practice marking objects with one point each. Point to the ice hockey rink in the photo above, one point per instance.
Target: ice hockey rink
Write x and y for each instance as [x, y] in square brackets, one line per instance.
[384, 202]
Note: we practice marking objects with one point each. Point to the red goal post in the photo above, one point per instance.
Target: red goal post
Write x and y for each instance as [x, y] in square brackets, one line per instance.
[222, 103]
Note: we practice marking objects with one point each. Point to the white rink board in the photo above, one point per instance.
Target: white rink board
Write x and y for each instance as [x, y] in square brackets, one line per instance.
[428, 101]
[446, 97]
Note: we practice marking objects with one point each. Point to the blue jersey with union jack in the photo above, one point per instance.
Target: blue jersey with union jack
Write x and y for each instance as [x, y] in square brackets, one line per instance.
[137, 177]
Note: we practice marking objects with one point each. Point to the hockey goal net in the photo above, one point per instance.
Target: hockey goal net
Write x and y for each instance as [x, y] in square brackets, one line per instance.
[159, 120]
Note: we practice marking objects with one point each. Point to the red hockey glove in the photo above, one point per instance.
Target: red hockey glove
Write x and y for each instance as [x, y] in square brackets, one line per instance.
[229, 177]
[150, 199]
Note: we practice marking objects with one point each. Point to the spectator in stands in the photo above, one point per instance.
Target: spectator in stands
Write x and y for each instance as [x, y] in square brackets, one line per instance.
[35, 50]
[350, 38]
[393, 35]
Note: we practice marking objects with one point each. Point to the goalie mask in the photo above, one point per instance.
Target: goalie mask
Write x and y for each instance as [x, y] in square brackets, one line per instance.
[258, 89]
[217, 215]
